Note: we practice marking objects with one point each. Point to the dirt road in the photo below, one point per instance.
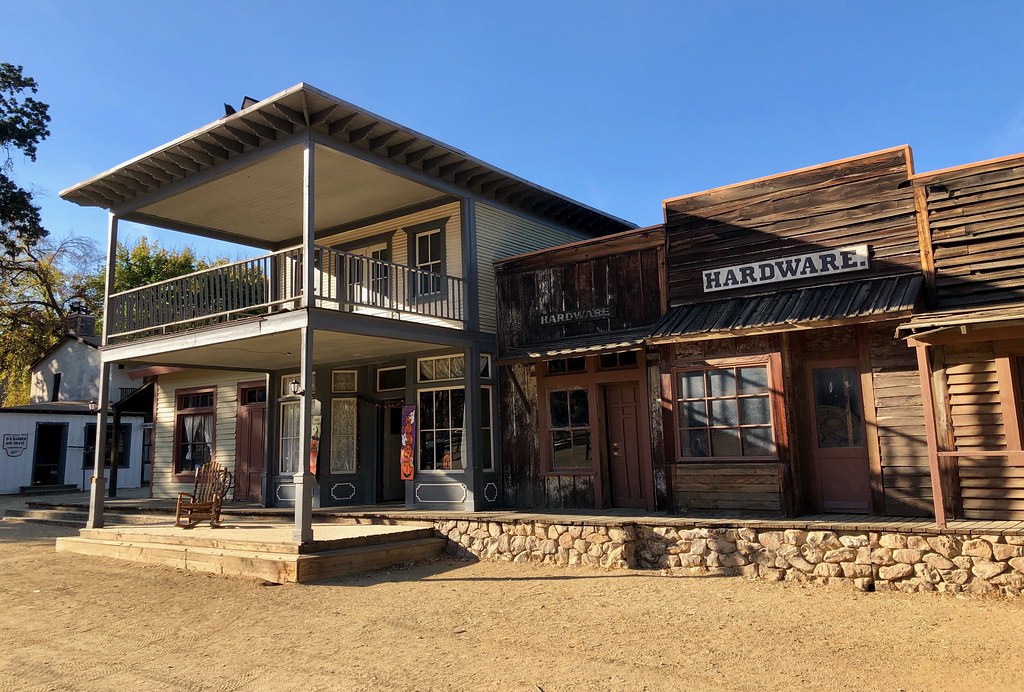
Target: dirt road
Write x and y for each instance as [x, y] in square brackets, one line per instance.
[69, 622]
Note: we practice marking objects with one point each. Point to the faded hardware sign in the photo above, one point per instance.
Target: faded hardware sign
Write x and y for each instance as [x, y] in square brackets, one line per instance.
[837, 261]
[15, 443]
[582, 315]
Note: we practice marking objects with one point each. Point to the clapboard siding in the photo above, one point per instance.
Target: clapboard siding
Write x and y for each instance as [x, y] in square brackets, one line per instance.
[857, 201]
[729, 487]
[226, 383]
[900, 417]
[976, 217]
[975, 409]
[501, 233]
[992, 487]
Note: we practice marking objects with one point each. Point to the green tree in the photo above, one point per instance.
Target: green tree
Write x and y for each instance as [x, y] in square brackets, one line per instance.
[23, 125]
[148, 262]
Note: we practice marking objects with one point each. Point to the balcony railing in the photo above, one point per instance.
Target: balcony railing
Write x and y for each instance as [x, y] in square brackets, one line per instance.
[343, 281]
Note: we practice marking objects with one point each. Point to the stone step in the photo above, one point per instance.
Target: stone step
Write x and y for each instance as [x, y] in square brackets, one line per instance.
[277, 568]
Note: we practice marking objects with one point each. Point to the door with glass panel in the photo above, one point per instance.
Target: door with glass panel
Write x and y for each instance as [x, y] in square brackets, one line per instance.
[368, 278]
[838, 436]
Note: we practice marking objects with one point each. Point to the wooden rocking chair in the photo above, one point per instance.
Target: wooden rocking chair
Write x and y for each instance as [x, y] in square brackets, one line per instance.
[204, 502]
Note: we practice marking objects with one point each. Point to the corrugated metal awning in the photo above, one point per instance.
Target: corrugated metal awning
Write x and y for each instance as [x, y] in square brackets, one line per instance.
[630, 340]
[816, 306]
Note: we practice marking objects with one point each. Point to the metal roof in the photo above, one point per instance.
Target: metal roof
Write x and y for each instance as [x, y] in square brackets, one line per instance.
[941, 321]
[604, 342]
[880, 298]
[304, 106]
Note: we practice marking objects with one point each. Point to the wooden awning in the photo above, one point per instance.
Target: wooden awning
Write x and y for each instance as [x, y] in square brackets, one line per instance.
[982, 323]
[815, 307]
[605, 342]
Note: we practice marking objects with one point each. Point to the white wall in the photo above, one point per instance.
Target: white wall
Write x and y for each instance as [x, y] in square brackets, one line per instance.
[79, 365]
[16, 472]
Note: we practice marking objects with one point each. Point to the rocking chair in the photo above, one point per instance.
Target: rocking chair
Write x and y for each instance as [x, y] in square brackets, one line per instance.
[204, 502]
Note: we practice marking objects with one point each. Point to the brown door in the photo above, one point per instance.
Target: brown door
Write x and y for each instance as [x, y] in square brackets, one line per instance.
[839, 439]
[252, 418]
[623, 421]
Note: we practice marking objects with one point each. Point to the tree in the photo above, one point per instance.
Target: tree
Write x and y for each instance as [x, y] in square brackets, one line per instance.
[148, 262]
[23, 125]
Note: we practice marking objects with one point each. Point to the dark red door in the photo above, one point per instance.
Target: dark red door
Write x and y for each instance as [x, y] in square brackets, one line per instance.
[839, 437]
[622, 421]
[252, 425]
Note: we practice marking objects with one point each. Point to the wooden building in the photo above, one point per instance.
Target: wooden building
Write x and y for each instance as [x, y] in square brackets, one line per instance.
[374, 302]
[576, 382]
[783, 386]
[970, 345]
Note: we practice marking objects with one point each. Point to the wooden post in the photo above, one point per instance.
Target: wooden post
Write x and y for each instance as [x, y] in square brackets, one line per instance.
[924, 372]
[472, 447]
[115, 452]
[96, 488]
[303, 530]
[308, 222]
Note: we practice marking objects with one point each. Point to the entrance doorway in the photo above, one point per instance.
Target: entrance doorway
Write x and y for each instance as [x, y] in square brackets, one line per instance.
[251, 433]
[838, 438]
[392, 487]
[48, 462]
[623, 423]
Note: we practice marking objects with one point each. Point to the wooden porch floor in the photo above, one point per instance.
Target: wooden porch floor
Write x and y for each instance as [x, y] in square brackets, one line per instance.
[396, 513]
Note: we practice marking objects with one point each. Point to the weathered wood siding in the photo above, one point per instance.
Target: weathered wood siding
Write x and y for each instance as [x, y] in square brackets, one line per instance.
[992, 487]
[974, 398]
[746, 486]
[501, 233]
[523, 483]
[226, 382]
[899, 415]
[624, 271]
[849, 202]
[976, 217]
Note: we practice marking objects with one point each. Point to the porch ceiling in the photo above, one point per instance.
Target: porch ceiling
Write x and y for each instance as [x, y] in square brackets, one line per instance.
[263, 201]
[280, 351]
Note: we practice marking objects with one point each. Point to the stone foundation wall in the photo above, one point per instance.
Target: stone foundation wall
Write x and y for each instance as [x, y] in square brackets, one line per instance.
[867, 560]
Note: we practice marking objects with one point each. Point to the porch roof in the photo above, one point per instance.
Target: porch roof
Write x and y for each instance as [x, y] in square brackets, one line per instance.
[928, 326]
[409, 167]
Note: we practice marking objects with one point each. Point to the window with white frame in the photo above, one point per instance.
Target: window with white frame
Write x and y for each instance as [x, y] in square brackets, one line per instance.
[441, 421]
[343, 381]
[291, 444]
[344, 435]
[391, 379]
[452, 367]
[427, 247]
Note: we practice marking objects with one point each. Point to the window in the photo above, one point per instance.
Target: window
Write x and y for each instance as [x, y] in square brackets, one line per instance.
[344, 434]
[569, 429]
[290, 447]
[616, 361]
[55, 391]
[194, 429]
[442, 428]
[124, 437]
[255, 395]
[369, 274]
[428, 258]
[724, 412]
[567, 366]
[286, 383]
[452, 367]
[147, 443]
[343, 381]
[390, 379]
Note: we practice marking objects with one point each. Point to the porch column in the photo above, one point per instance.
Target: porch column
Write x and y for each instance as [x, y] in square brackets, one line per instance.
[472, 448]
[304, 480]
[115, 452]
[924, 372]
[97, 489]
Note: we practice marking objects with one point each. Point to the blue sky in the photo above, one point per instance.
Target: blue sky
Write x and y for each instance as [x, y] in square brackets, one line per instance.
[616, 104]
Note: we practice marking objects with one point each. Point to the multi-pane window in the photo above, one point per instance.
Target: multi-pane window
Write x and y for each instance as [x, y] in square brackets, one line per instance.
[724, 412]
[615, 361]
[369, 274]
[124, 436]
[440, 368]
[343, 435]
[343, 381]
[442, 428]
[193, 430]
[569, 429]
[566, 366]
[428, 259]
[290, 447]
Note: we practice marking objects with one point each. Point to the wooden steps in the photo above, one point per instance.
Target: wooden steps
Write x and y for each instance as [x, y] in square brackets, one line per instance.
[72, 518]
[245, 555]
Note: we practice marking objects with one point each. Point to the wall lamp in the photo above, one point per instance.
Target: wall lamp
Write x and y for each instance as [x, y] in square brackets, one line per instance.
[94, 406]
[296, 388]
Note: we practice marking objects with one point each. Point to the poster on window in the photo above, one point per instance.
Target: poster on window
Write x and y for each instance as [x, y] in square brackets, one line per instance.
[314, 442]
[408, 466]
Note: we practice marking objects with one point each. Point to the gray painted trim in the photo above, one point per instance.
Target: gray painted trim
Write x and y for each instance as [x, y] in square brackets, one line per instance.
[412, 249]
[382, 218]
[386, 237]
[470, 263]
[202, 231]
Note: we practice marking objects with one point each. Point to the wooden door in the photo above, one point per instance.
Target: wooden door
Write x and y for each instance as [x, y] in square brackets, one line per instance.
[622, 422]
[839, 437]
[251, 432]
[48, 462]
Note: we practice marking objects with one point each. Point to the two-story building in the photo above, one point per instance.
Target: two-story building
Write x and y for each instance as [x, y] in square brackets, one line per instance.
[368, 326]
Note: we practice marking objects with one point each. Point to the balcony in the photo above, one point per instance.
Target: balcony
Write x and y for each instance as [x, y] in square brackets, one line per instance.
[343, 281]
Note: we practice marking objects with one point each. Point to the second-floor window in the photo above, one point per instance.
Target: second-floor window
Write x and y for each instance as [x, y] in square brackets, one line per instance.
[428, 258]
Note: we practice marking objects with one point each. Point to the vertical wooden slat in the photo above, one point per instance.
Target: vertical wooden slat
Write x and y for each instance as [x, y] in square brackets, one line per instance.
[938, 489]
[871, 422]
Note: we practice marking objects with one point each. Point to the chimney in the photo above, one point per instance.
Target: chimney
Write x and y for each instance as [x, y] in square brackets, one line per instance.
[79, 322]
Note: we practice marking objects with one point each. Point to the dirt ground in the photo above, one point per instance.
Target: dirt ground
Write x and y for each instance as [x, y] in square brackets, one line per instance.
[70, 622]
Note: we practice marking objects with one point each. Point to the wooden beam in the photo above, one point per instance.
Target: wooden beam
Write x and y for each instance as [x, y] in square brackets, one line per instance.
[360, 132]
[321, 115]
[122, 190]
[228, 143]
[157, 172]
[276, 122]
[340, 124]
[213, 149]
[184, 162]
[924, 371]
[924, 239]
[399, 148]
[449, 168]
[245, 137]
[293, 115]
[98, 197]
[380, 140]
[130, 183]
[414, 156]
[259, 129]
[434, 161]
[171, 166]
[867, 386]
[143, 177]
[199, 157]
[477, 180]
[464, 175]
